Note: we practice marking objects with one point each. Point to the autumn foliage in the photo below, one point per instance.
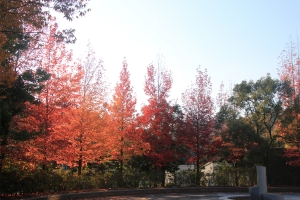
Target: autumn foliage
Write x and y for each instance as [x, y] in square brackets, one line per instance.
[198, 106]
[157, 116]
[58, 111]
[289, 72]
[125, 136]
[55, 102]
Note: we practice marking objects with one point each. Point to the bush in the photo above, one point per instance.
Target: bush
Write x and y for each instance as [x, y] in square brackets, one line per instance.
[229, 175]
[23, 178]
[186, 178]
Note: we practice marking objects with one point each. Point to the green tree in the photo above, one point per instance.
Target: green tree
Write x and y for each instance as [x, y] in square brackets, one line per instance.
[240, 147]
[261, 107]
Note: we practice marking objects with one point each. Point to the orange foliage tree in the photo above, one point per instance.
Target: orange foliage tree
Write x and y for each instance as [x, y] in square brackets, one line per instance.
[58, 97]
[125, 136]
[22, 23]
[87, 120]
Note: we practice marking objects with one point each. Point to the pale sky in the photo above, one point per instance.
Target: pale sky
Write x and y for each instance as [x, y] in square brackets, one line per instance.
[234, 40]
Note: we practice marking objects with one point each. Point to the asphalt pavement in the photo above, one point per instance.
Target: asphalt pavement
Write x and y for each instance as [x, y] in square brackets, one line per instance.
[210, 196]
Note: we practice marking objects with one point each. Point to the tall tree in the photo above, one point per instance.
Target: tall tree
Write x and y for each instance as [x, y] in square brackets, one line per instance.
[198, 106]
[22, 22]
[290, 71]
[261, 104]
[123, 127]
[157, 117]
[60, 94]
[89, 117]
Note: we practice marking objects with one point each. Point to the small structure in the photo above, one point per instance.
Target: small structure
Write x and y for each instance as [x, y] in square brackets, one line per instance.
[260, 192]
[209, 168]
[208, 173]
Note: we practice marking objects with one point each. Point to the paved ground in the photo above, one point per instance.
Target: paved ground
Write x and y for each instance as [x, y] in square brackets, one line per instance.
[287, 196]
[211, 196]
[292, 196]
[163, 197]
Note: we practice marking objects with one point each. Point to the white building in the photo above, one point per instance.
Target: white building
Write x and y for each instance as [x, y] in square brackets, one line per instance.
[209, 173]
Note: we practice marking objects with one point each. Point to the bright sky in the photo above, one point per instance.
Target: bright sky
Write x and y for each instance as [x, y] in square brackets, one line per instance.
[234, 40]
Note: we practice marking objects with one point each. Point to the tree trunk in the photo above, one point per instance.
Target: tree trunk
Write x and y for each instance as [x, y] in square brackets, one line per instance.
[79, 165]
[198, 164]
[163, 176]
[121, 174]
[2, 147]
[236, 178]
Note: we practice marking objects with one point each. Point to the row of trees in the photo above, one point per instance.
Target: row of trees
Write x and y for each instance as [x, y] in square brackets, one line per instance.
[57, 110]
[71, 120]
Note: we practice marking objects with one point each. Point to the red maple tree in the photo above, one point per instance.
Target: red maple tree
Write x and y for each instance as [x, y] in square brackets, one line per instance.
[198, 106]
[157, 118]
